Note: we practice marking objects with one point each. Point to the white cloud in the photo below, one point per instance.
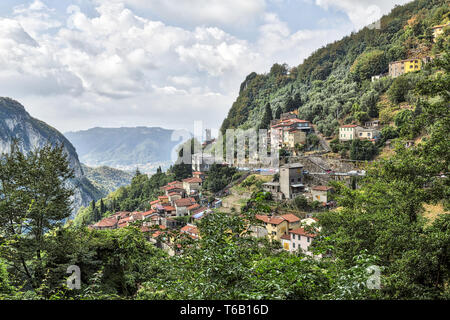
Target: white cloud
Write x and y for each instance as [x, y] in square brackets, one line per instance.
[362, 12]
[224, 12]
[119, 68]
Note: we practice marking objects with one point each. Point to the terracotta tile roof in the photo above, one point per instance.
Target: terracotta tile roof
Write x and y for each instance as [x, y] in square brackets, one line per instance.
[173, 183]
[290, 217]
[191, 230]
[271, 220]
[285, 237]
[137, 215]
[171, 194]
[322, 188]
[349, 126]
[185, 202]
[147, 213]
[197, 172]
[194, 206]
[121, 214]
[193, 180]
[302, 232]
[154, 202]
[106, 222]
[169, 208]
[163, 197]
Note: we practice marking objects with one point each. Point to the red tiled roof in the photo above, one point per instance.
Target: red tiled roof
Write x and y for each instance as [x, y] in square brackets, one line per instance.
[137, 215]
[193, 180]
[290, 217]
[163, 197]
[349, 126]
[197, 172]
[169, 208]
[154, 202]
[173, 182]
[322, 188]
[147, 213]
[106, 222]
[121, 214]
[184, 202]
[191, 230]
[194, 206]
[174, 194]
[285, 237]
[271, 220]
[302, 232]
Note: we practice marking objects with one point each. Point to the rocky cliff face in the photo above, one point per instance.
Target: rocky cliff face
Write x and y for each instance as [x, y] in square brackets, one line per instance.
[16, 123]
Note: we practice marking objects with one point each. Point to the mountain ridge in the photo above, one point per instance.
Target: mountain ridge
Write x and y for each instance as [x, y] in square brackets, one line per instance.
[31, 133]
[128, 147]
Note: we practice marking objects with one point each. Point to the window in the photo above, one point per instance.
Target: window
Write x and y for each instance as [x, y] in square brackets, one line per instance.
[307, 239]
[274, 233]
[293, 245]
[293, 236]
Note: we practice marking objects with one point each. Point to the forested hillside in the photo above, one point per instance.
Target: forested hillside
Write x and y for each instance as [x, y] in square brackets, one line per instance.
[107, 179]
[333, 86]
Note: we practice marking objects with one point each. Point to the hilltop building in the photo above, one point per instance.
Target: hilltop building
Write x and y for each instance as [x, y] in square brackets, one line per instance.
[352, 132]
[397, 68]
[439, 30]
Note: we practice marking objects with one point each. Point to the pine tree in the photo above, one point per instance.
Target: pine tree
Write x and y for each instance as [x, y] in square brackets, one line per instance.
[34, 199]
[278, 113]
[267, 117]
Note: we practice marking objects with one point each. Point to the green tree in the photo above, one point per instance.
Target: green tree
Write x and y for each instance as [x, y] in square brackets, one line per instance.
[267, 117]
[34, 199]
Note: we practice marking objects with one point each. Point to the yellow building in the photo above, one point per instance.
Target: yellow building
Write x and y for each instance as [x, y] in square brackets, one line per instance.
[397, 68]
[413, 65]
[278, 226]
[275, 226]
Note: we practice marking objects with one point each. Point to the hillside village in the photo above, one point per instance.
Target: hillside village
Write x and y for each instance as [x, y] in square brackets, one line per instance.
[184, 198]
[361, 183]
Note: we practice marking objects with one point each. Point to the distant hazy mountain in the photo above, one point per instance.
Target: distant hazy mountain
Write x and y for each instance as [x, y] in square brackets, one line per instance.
[16, 123]
[107, 179]
[122, 147]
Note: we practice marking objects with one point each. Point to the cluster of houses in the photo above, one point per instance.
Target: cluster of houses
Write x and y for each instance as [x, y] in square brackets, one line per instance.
[180, 199]
[290, 230]
[290, 130]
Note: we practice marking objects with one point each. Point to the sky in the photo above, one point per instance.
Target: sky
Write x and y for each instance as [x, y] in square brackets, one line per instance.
[167, 63]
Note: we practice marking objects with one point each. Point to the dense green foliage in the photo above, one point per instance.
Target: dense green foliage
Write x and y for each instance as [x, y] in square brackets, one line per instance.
[326, 85]
[33, 200]
[219, 177]
[381, 224]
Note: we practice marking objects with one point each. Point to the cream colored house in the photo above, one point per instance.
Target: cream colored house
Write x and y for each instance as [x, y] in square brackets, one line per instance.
[321, 193]
[300, 240]
[348, 132]
[292, 137]
[367, 133]
[192, 184]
